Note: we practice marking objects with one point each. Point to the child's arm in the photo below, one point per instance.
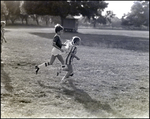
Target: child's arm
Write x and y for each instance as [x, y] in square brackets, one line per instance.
[75, 56]
[63, 44]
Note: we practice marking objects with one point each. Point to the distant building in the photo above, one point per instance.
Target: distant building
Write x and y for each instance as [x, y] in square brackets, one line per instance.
[70, 24]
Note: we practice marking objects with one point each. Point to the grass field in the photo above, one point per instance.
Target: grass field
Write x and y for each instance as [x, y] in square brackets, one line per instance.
[110, 80]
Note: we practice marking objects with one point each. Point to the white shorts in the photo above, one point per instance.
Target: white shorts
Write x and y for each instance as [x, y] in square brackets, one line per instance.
[55, 51]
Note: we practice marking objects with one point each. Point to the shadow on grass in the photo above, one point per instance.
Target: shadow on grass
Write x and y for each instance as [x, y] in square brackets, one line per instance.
[45, 86]
[90, 104]
[5, 79]
[82, 97]
[106, 41]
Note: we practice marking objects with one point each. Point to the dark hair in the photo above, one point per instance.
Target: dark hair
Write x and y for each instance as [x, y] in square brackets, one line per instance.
[58, 28]
[76, 39]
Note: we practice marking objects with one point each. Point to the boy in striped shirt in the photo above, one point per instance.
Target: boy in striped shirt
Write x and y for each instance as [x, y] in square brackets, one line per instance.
[70, 56]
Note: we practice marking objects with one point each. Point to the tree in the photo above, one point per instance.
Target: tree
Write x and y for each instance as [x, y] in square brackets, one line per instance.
[139, 14]
[13, 10]
[64, 8]
[4, 10]
[23, 13]
[92, 10]
[38, 8]
[116, 22]
[109, 15]
[107, 18]
[34, 8]
[60, 8]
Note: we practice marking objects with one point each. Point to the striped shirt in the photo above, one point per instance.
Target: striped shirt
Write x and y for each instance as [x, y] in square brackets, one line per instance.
[69, 58]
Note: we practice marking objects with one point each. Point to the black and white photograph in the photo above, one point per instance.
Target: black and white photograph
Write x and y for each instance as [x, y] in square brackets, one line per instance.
[75, 59]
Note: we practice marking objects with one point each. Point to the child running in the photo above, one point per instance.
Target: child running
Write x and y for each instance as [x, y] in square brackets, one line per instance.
[69, 59]
[56, 50]
[2, 34]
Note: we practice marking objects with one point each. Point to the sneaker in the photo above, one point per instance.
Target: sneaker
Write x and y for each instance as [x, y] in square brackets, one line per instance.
[57, 73]
[37, 69]
[63, 66]
[46, 64]
[71, 74]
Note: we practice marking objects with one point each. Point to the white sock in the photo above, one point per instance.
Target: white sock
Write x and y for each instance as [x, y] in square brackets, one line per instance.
[43, 64]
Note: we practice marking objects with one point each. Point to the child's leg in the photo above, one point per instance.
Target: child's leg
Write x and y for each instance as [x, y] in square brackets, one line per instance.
[66, 69]
[52, 60]
[70, 70]
[60, 58]
[62, 69]
[49, 63]
[45, 64]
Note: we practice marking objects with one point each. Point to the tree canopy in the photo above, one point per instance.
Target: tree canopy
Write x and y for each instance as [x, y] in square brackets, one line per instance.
[139, 14]
[90, 9]
[4, 10]
[86, 8]
[11, 10]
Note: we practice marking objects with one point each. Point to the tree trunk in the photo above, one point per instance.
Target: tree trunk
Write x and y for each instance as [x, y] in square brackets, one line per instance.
[13, 18]
[22, 20]
[21, 17]
[37, 21]
[94, 24]
[26, 21]
[12, 21]
[62, 20]
[6, 18]
[47, 20]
